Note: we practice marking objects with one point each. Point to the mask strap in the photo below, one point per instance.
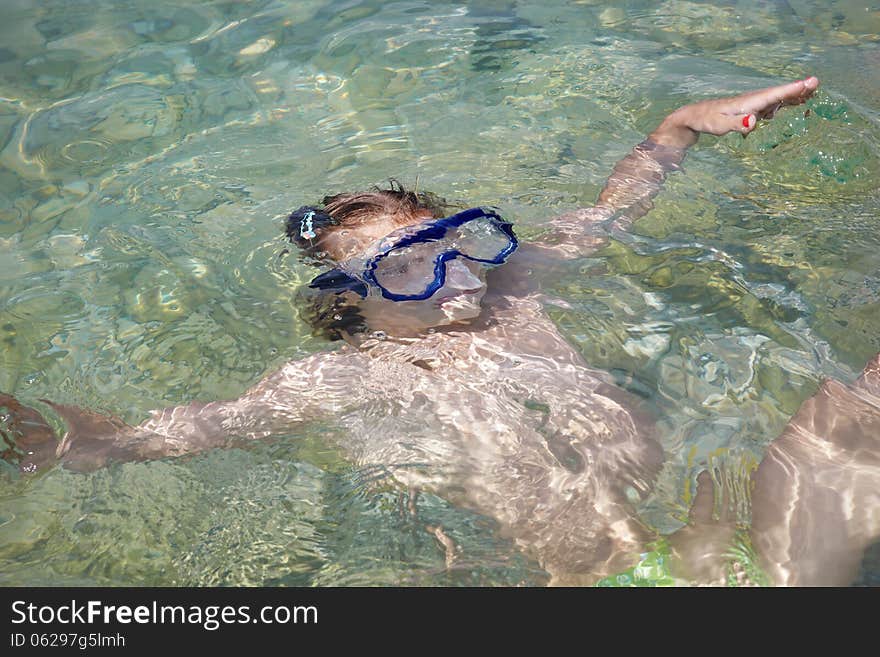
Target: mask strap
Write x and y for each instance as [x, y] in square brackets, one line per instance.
[338, 281]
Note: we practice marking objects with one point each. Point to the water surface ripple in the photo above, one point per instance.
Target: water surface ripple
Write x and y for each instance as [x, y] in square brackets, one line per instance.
[149, 151]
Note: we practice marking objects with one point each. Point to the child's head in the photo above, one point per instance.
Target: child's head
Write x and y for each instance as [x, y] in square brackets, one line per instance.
[347, 226]
[349, 223]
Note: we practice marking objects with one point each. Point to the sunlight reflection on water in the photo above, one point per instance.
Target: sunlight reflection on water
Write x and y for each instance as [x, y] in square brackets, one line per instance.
[150, 151]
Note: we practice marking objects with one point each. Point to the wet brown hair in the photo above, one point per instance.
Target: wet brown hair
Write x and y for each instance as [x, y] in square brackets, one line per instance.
[352, 209]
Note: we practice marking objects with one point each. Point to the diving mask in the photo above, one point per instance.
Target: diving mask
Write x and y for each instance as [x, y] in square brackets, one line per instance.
[410, 264]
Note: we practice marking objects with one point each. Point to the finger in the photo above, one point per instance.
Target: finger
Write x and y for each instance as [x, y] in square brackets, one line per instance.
[745, 123]
[742, 123]
[792, 93]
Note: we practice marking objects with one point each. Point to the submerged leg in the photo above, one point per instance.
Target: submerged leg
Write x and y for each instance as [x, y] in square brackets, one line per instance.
[816, 499]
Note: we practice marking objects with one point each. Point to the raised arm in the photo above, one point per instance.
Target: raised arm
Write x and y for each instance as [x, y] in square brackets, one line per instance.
[638, 177]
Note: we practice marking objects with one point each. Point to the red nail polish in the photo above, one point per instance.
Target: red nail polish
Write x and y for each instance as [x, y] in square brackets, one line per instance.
[746, 120]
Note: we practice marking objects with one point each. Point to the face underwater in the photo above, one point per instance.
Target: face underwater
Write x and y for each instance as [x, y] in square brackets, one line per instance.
[457, 300]
[431, 273]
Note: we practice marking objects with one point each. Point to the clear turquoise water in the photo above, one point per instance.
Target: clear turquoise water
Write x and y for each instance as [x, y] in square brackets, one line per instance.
[151, 149]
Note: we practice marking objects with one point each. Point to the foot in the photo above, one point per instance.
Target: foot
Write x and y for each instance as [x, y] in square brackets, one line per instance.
[737, 114]
[700, 549]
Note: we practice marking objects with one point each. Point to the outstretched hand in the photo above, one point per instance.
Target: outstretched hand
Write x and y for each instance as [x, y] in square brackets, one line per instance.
[737, 114]
[26, 439]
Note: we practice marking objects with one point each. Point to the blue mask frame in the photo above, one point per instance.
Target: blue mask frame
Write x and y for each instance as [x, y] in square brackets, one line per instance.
[338, 280]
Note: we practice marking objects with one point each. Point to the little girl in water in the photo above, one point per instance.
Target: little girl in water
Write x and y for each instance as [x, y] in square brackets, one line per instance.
[454, 380]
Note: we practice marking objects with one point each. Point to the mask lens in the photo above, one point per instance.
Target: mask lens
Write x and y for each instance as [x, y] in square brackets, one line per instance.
[409, 270]
[406, 265]
[479, 238]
